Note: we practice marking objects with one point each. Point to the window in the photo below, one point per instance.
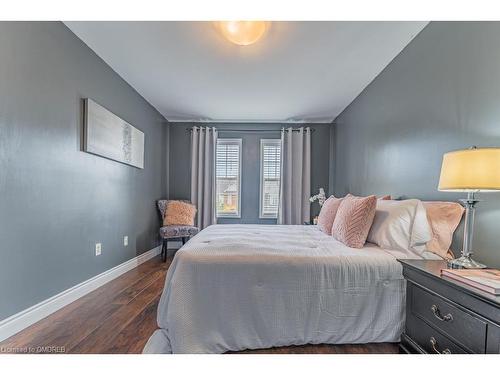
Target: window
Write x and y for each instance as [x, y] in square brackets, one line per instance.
[228, 183]
[270, 171]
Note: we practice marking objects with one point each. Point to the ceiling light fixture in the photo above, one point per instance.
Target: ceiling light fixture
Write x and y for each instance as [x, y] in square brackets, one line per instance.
[242, 33]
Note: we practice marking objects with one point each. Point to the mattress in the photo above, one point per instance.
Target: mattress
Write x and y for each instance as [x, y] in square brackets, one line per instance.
[236, 287]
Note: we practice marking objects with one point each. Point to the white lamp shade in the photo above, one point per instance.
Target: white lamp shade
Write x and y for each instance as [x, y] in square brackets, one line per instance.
[475, 169]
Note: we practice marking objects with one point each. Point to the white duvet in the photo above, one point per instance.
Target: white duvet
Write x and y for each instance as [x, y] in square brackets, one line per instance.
[235, 287]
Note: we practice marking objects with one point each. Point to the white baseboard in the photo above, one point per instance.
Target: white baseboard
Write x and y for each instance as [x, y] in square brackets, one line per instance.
[16, 323]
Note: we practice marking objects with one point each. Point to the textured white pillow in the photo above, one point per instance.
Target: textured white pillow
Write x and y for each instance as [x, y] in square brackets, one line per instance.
[400, 225]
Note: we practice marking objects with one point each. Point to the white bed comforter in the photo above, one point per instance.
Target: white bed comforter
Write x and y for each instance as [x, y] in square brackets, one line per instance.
[235, 287]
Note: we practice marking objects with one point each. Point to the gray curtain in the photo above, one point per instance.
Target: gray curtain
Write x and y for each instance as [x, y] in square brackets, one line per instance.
[295, 187]
[203, 144]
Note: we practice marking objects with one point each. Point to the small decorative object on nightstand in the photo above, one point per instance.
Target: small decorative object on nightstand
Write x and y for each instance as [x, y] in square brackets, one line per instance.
[445, 316]
[320, 197]
[471, 171]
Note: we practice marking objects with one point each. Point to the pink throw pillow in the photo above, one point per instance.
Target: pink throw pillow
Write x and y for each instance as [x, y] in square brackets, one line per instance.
[385, 198]
[354, 219]
[327, 214]
[444, 218]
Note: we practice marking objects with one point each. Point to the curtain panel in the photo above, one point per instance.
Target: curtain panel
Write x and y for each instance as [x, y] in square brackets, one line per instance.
[203, 148]
[295, 188]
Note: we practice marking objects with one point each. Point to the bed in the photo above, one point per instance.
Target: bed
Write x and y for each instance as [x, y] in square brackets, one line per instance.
[236, 287]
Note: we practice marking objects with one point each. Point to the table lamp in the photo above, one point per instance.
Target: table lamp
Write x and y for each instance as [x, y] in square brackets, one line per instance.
[472, 171]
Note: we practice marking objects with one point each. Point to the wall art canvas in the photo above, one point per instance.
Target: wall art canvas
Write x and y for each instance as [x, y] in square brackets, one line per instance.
[107, 135]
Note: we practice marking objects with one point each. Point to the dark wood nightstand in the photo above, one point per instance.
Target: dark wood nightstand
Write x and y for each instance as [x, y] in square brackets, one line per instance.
[445, 316]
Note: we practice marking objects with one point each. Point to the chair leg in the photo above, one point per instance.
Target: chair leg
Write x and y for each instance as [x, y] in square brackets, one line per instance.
[183, 240]
[164, 249]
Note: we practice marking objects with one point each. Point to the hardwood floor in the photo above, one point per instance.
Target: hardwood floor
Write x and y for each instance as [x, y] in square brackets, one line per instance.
[120, 316]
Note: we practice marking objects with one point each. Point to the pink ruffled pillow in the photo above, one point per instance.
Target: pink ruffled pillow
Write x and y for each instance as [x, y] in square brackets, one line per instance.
[354, 219]
[327, 214]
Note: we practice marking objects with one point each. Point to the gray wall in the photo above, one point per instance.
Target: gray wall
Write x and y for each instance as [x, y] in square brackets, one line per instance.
[56, 201]
[441, 93]
[179, 187]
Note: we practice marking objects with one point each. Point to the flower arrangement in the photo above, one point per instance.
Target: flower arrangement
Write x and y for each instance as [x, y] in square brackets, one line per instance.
[320, 197]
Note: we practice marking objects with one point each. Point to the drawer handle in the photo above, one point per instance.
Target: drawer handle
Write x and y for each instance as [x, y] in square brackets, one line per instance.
[436, 350]
[447, 318]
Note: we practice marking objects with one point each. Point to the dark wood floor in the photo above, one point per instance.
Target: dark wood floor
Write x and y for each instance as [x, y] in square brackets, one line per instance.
[120, 316]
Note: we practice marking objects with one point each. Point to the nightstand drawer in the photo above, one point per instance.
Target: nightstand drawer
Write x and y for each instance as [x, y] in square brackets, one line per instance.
[463, 327]
[429, 339]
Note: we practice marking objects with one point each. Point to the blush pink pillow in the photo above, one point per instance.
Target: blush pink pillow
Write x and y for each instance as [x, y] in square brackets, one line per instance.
[354, 219]
[327, 214]
[444, 218]
[385, 198]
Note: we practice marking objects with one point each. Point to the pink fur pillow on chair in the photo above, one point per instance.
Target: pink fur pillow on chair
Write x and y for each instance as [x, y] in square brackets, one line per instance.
[354, 219]
[327, 214]
[179, 213]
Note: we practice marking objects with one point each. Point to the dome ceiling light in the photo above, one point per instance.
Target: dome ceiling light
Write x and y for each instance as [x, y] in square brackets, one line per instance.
[242, 33]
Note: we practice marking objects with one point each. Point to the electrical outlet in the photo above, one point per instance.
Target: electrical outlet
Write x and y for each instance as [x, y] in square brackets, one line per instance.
[98, 248]
[125, 241]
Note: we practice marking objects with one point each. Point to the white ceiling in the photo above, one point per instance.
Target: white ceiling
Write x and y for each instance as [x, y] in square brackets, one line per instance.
[298, 72]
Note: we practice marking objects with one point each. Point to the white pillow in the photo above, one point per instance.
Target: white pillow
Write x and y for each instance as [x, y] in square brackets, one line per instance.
[421, 232]
[400, 225]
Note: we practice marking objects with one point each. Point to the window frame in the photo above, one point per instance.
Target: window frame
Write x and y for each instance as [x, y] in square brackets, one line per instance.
[230, 141]
[263, 142]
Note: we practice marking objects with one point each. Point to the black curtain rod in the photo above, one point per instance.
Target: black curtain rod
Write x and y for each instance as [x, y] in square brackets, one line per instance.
[312, 130]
